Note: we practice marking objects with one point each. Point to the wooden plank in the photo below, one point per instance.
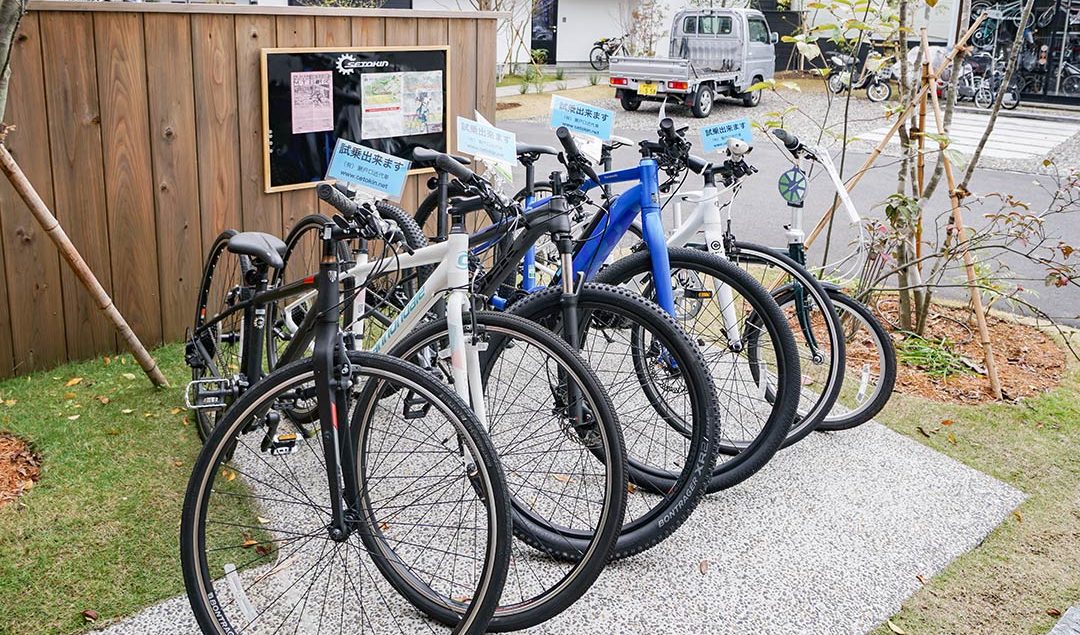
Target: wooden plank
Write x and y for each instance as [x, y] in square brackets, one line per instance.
[173, 151]
[262, 211]
[433, 31]
[213, 47]
[70, 64]
[129, 194]
[486, 45]
[239, 9]
[400, 31]
[368, 31]
[31, 262]
[463, 68]
[334, 31]
[296, 32]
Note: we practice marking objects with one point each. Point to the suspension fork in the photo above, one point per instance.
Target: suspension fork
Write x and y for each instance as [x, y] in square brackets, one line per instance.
[332, 380]
[568, 301]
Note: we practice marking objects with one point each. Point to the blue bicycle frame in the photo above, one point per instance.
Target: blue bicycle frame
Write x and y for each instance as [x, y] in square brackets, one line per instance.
[614, 222]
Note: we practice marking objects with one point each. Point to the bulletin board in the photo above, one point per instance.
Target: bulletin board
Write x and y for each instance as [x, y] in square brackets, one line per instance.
[391, 99]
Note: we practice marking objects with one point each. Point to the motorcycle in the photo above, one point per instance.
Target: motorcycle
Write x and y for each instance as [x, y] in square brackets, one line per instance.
[842, 76]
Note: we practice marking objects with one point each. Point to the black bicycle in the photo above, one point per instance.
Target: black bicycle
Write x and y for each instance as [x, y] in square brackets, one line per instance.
[398, 498]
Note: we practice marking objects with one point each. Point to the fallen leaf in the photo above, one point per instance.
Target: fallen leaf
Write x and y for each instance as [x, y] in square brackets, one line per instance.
[127, 411]
[103, 399]
[70, 395]
[129, 375]
[74, 381]
[923, 431]
[1052, 612]
[562, 478]
[175, 411]
[1018, 516]
[112, 431]
[108, 360]
[90, 615]
[73, 417]
[951, 437]
[262, 521]
[896, 629]
[703, 567]
[10, 402]
[631, 488]
[230, 475]
[187, 422]
[947, 422]
[178, 463]
[921, 579]
[263, 550]
[249, 543]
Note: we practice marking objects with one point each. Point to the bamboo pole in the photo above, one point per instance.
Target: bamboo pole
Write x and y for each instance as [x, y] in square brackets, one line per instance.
[969, 259]
[880, 147]
[52, 227]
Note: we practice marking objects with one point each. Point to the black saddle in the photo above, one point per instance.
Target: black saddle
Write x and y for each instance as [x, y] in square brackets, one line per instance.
[427, 155]
[268, 249]
[528, 148]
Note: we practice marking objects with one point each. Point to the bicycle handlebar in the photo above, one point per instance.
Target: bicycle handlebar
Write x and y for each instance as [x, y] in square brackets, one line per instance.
[336, 199]
[450, 165]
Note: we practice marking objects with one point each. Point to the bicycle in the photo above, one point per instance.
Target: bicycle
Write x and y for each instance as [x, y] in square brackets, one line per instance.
[603, 50]
[258, 533]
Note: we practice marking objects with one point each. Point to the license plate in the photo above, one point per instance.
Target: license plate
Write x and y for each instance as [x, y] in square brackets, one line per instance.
[646, 89]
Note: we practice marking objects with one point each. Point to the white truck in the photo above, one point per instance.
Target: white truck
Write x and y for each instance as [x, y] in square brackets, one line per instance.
[712, 53]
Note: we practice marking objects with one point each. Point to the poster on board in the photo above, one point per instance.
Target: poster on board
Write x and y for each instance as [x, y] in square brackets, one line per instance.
[389, 99]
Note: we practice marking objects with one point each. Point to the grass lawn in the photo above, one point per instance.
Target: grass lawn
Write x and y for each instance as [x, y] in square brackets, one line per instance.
[99, 531]
[517, 80]
[1028, 569]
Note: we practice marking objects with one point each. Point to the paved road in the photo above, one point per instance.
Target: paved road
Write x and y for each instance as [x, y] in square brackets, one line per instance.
[761, 214]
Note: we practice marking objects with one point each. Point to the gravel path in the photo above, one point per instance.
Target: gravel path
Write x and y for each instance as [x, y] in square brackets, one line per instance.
[828, 538]
[804, 113]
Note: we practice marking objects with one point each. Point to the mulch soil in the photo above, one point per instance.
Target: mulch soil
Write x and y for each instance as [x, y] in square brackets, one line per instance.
[1028, 361]
[20, 468]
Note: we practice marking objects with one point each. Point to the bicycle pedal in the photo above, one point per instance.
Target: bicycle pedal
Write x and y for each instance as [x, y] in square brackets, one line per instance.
[207, 394]
[415, 407]
[698, 294]
[283, 444]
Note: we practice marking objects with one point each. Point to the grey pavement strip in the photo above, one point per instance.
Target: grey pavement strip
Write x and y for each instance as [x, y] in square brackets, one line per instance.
[828, 538]
[1069, 624]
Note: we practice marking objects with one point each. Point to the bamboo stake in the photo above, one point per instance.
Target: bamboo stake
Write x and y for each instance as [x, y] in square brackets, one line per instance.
[880, 147]
[921, 159]
[969, 259]
[52, 227]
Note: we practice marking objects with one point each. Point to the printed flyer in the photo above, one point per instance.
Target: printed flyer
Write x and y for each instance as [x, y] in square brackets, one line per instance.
[401, 104]
[312, 101]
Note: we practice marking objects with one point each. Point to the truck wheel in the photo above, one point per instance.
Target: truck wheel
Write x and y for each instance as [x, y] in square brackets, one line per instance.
[752, 98]
[630, 102]
[703, 101]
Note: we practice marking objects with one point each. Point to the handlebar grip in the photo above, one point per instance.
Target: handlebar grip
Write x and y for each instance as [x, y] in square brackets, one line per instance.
[448, 164]
[336, 199]
[790, 141]
[697, 165]
[567, 141]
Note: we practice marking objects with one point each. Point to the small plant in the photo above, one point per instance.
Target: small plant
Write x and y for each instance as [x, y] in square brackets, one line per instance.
[560, 74]
[523, 88]
[539, 56]
[935, 358]
[561, 86]
[594, 79]
[530, 74]
[538, 85]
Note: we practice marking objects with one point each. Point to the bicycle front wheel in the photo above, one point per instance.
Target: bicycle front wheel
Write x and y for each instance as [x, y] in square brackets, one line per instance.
[433, 509]
[598, 58]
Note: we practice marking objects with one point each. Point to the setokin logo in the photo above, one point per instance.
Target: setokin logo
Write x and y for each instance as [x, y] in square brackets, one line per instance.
[347, 63]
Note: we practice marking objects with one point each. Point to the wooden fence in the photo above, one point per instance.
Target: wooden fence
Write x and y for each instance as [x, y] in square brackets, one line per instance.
[140, 125]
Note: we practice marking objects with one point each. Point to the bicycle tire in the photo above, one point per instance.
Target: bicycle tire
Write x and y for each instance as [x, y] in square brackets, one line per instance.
[605, 307]
[598, 62]
[749, 457]
[210, 601]
[886, 354]
[752, 254]
[204, 422]
[586, 550]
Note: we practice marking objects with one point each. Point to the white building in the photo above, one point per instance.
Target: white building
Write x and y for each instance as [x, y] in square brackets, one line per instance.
[568, 28]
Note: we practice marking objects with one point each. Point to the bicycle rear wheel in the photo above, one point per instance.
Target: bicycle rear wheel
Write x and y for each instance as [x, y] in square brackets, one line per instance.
[433, 525]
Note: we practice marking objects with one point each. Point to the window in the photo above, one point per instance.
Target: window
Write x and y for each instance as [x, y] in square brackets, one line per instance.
[689, 24]
[715, 25]
[759, 31]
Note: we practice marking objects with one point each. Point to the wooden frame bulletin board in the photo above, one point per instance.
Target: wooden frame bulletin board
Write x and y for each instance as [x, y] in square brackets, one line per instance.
[391, 99]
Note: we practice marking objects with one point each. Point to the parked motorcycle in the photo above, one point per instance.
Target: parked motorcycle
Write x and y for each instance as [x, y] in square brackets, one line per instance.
[843, 76]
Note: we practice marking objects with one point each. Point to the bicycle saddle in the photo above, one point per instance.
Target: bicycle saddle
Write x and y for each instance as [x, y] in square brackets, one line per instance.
[528, 148]
[617, 142]
[263, 247]
[427, 155]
